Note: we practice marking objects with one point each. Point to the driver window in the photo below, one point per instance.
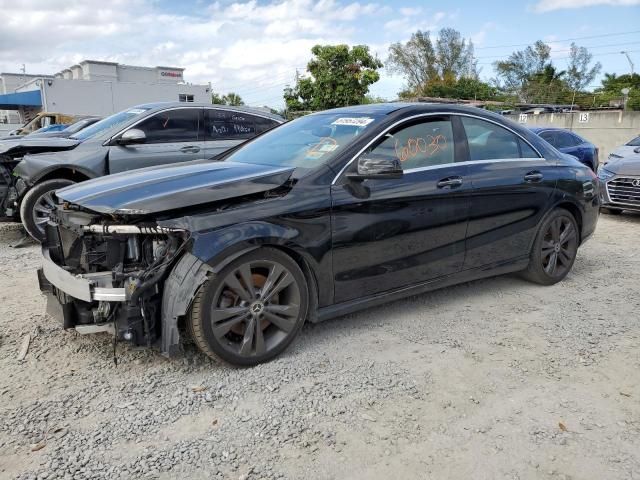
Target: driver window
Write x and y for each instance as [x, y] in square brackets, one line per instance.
[423, 144]
[171, 126]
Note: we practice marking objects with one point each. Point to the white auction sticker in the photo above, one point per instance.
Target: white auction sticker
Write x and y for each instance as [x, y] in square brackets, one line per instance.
[356, 122]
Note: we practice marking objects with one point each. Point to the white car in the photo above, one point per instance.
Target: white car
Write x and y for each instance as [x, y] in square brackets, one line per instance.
[629, 149]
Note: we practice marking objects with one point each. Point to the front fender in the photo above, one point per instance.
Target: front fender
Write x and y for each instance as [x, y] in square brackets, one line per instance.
[218, 247]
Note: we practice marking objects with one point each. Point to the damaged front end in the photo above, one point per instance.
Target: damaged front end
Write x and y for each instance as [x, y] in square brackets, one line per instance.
[103, 275]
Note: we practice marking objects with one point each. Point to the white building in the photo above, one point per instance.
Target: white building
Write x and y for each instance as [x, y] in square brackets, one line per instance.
[93, 88]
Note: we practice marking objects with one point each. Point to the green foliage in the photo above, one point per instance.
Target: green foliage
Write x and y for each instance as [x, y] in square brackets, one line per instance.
[579, 73]
[229, 99]
[612, 86]
[369, 99]
[340, 76]
[464, 88]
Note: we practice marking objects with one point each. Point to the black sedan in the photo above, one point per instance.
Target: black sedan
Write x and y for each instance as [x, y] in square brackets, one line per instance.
[324, 215]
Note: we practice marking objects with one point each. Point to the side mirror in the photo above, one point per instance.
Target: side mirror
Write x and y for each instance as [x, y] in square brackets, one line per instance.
[132, 136]
[377, 167]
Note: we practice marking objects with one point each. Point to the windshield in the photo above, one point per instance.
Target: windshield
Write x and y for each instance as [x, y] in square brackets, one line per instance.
[79, 125]
[307, 142]
[634, 143]
[109, 122]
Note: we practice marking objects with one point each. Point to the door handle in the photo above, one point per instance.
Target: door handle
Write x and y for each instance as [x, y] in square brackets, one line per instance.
[450, 182]
[190, 149]
[533, 177]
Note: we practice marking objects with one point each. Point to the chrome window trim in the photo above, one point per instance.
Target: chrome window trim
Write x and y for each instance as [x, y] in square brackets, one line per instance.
[431, 114]
[472, 162]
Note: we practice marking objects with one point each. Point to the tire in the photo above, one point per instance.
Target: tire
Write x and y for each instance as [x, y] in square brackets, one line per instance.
[252, 325]
[36, 202]
[611, 211]
[554, 248]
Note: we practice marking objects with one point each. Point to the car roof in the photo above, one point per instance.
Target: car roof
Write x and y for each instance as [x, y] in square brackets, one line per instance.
[555, 129]
[393, 107]
[256, 111]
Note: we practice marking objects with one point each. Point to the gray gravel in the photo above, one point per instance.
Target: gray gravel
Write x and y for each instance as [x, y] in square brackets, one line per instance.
[492, 379]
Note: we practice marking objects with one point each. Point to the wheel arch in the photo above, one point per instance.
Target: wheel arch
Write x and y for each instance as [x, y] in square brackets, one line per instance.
[69, 172]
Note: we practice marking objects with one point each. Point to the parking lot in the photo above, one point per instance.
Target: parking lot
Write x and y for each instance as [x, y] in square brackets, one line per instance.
[492, 379]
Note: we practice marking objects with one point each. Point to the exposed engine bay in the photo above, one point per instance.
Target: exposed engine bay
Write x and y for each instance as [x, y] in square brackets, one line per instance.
[123, 266]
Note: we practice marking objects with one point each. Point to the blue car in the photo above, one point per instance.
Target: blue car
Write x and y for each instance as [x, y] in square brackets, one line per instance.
[568, 142]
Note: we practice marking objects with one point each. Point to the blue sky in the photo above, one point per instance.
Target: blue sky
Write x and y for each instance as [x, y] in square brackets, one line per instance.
[254, 47]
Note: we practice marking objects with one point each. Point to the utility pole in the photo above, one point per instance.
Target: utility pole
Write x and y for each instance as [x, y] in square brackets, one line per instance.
[626, 54]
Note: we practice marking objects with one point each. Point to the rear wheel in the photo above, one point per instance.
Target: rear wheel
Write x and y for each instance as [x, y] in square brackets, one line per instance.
[554, 249]
[611, 211]
[38, 203]
[252, 310]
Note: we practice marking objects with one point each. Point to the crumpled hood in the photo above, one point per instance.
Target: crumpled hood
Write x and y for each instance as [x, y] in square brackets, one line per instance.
[159, 189]
[38, 144]
[625, 166]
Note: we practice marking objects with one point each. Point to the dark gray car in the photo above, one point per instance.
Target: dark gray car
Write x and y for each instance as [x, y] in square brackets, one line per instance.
[142, 136]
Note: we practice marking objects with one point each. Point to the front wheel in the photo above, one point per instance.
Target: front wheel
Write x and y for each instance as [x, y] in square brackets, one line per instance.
[554, 249]
[251, 310]
[38, 203]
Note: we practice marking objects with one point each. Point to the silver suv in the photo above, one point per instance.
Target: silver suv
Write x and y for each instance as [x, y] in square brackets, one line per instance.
[142, 136]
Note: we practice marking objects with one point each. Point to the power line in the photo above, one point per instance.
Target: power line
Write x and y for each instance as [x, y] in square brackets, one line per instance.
[604, 54]
[562, 40]
[568, 50]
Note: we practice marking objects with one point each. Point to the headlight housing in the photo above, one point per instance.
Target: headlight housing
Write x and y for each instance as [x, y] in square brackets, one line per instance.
[604, 174]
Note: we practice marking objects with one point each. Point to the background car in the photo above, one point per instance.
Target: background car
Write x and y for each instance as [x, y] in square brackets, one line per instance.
[327, 214]
[570, 143]
[14, 148]
[66, 131]
[621, 180]
[629, 149]
[142, 136]
[42, 119]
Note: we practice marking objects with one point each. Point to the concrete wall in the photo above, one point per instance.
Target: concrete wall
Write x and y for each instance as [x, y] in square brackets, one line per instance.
[606, 130]
[104, 98]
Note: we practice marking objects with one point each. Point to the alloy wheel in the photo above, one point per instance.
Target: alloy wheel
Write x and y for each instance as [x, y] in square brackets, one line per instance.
[255, 308]
[559, 246]
[43, 208]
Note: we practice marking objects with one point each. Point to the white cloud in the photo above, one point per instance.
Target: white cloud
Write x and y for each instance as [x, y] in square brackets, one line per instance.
[247, 46]
[551, 5]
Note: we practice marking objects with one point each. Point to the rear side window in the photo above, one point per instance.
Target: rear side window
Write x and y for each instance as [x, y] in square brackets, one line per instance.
[230, 125]
[564, 140]
[549, 137]
[172, 126]
[488, 141]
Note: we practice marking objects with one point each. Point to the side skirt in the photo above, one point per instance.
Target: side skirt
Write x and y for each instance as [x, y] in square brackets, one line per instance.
[344, 308]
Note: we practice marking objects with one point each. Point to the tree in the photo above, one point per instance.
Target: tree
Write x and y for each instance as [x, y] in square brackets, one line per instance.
[229, 99]
[339, 76]
[579, 73]
[612, 86]
[422, 64]
[416, 60]
[522, 65]
[233, 99]
[217, 99]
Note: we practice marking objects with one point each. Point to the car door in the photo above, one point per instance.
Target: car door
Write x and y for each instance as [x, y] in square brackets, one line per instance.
[391, 233]
[173, 135]
[512, 186]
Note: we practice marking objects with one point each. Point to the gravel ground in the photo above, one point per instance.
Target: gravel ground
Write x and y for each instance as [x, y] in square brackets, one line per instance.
[492, 379]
